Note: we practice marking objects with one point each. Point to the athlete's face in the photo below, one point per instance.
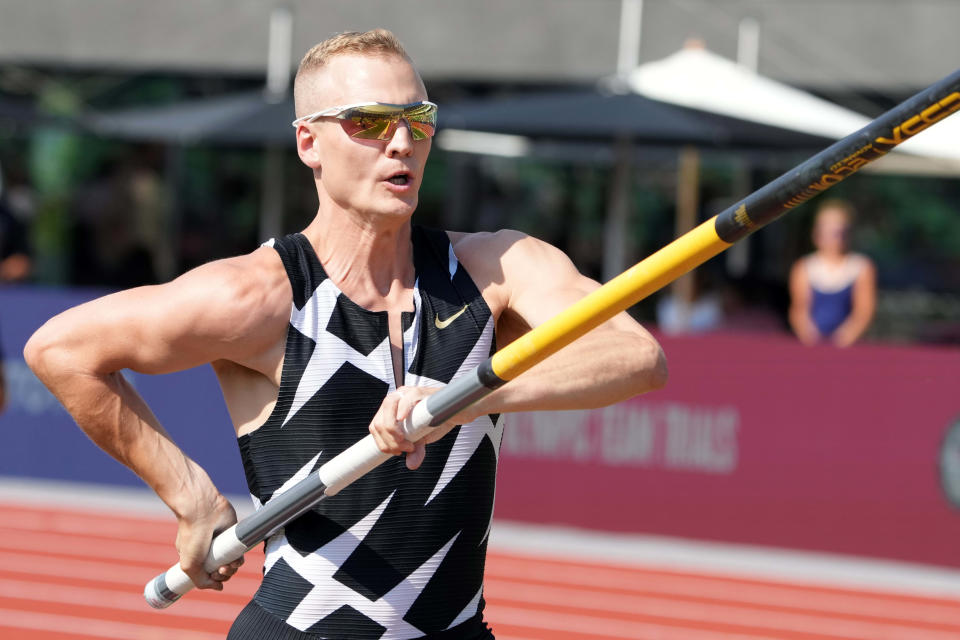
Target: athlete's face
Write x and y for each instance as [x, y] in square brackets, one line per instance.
[371, 178]
[831, 231]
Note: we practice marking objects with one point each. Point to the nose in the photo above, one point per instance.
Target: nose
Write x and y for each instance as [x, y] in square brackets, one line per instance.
[401, 142]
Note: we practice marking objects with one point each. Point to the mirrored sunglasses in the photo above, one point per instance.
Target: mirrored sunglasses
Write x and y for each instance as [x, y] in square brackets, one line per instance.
[378, 120]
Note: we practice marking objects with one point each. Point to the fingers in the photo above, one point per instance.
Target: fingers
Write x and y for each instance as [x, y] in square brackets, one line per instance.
[415, 458]
[387, 430]
[194, 536]
[224, 573]
[387, 426]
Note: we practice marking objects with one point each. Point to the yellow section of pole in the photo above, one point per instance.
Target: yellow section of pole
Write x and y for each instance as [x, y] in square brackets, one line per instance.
[636, 283]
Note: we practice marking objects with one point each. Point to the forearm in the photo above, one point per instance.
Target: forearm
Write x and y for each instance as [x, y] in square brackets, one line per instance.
[803, 326]
[852, 329]
[598, 369]
[110, 411]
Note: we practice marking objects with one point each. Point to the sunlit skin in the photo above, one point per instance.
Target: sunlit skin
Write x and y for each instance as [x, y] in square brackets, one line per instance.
[831, 234]
[351, 173]
[234, 314]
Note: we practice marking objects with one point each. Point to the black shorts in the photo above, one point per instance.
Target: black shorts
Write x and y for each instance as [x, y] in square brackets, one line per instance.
[255, 623]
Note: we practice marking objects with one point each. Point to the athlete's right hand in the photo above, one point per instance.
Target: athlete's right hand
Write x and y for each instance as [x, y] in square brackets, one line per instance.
[198, 525]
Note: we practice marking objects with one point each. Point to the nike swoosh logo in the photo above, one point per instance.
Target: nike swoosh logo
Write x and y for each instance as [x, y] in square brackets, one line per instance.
[443, 324]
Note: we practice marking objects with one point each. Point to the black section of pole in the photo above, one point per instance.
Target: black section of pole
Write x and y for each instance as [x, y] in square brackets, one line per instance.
[841, 159]
[280, 510]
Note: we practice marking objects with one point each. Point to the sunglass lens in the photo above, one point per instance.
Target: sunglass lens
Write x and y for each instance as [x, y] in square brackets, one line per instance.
[368, 127]
[381, 126]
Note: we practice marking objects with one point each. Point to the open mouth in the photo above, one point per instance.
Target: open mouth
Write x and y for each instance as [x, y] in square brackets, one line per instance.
[399, 179]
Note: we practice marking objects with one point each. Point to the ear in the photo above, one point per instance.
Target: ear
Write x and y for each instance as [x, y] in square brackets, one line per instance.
[307, 143]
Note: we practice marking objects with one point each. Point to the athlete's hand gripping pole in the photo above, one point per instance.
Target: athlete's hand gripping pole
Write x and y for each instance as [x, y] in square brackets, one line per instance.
[798, 185]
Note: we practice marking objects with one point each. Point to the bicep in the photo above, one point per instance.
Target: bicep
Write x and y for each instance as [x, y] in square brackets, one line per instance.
[155, 329]
[543, 282]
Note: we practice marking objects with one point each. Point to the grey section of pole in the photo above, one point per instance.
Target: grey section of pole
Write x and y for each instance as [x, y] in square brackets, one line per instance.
[279, 54]
[463, 392]
[280, 510]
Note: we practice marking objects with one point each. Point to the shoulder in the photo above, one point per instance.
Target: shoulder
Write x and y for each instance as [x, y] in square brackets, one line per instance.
[258, 275]
[241, 295]
[862, 268]
[506, 247]
[860, 262]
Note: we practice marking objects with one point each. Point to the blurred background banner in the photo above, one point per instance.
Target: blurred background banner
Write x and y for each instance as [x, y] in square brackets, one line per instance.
[759, 441]
[41, 440]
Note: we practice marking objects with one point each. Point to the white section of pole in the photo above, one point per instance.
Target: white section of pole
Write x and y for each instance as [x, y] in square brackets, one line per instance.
[631, 21]
[748, 43]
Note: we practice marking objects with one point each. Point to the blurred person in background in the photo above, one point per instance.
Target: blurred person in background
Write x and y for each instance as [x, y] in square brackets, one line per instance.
[321, 337]
[833, 290]
[15, 212]
[696, 308]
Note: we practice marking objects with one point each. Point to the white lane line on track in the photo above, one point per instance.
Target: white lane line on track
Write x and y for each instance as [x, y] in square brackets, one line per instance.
[765, 621]
[158, 531]
[733, 560]
[99, 572]
[624, 578]
[787, 596]
[685, 587]
[776, 594]
[89, 548]
[592, 627]
[112, 599]
[628, 603]
[76, 626]
[792, 598]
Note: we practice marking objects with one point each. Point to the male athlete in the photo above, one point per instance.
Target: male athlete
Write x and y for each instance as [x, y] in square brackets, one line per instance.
[320, 337]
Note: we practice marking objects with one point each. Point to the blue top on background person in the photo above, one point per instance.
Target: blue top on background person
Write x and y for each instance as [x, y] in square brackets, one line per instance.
[832, 290]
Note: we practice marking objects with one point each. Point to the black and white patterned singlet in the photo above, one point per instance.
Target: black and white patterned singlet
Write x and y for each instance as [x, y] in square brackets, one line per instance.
[399, 553]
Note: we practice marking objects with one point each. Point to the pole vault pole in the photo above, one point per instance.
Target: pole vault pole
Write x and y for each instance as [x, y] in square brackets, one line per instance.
[690, 250]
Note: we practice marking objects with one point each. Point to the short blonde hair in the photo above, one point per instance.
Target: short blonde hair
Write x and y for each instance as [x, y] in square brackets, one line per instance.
[847, 209]
[376, 42]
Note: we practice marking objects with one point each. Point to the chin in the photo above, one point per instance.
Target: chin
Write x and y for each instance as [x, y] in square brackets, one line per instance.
[400, 208]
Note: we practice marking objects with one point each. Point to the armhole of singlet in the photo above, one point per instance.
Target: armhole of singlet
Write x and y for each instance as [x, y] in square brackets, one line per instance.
[282, 247]
[441, 247]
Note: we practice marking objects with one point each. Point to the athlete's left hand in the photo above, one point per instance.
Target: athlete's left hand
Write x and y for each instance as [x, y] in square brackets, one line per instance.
[387, 425]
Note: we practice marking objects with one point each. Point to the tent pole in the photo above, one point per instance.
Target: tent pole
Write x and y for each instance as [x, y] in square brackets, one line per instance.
[615, 225]
[277, 84]
[688, 205]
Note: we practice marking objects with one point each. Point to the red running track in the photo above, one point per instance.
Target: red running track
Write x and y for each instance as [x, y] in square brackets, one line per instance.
[78, 575]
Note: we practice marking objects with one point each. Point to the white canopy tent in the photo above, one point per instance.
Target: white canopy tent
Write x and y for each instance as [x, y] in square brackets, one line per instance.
[694, 77]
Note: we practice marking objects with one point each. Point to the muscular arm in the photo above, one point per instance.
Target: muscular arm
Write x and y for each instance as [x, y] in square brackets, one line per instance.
[526, 282]
[532, 282]
[218, 311]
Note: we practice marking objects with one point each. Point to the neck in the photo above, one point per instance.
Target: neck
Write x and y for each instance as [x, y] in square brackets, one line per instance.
[833, 256]
[371, 261]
